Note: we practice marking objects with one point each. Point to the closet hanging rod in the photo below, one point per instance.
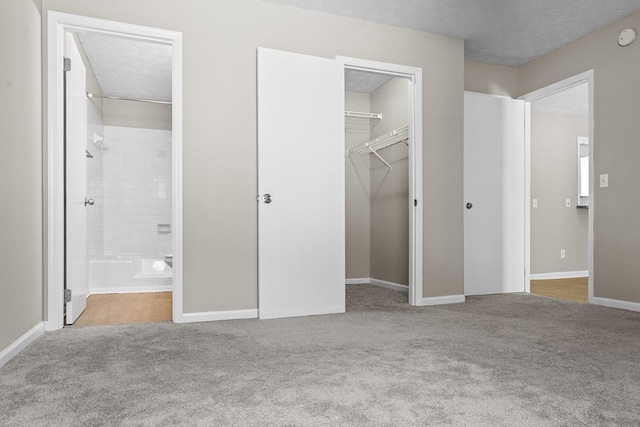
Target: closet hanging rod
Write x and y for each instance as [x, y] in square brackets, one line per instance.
[395, 136]
[124, 98]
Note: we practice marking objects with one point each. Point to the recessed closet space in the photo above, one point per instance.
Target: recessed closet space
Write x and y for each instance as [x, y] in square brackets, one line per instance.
[129, 179]
[377, 179]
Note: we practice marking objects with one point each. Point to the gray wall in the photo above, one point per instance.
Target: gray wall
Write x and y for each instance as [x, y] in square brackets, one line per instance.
[21, 162]
[390, 188]
[358, 218]
[220, 40]
[553, 180]
[616, 145]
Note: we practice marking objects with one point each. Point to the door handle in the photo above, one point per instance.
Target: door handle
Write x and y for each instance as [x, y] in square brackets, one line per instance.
[469, 205]
[89, 202]
[267, 198]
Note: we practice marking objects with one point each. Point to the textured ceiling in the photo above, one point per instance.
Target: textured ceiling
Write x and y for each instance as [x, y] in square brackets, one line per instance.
[506, 32]
[571, 102]
[129, 68]
[362, 81]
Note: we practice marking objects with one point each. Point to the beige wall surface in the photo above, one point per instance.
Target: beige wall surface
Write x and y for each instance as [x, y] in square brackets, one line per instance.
[489, 78]
[220, 40]
[357, 189]
[21, 219]
[616, 145]
[136, 114]
[390, 188]
[554, 176]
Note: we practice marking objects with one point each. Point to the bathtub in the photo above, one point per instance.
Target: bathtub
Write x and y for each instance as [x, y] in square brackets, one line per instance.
[119, 274]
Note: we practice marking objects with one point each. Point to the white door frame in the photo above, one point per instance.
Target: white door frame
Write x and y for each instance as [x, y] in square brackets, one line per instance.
[57, 24]
[585, 77]
[414, 75]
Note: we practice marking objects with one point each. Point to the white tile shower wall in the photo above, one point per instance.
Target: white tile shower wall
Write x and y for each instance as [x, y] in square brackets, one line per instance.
[95, 177]
[137, 191]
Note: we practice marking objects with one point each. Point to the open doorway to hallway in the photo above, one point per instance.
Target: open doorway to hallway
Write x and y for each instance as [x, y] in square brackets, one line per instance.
[559, 212]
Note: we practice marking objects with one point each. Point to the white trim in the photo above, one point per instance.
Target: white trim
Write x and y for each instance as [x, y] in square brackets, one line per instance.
[209, 316]
[130, 290]
[568, 83]
[57, 24]
[614, 303]
[447, 299]
[362, 281]
[21, 343]
[560, 275]
[416, 214]
[389, 285]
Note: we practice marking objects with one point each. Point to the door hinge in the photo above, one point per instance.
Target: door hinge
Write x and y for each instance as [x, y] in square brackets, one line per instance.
[415, 202]
[67, 64]
[67, 295]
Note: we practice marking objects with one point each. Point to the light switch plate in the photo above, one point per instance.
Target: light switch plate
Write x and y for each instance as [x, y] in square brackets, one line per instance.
[535, 203]
[604, 180]
[568, 203]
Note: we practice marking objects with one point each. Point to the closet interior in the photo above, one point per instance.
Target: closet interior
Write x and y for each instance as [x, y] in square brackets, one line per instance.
[377, 179]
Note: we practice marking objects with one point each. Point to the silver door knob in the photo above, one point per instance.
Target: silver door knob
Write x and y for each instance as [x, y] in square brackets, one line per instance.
[267, 198]
[89, 202]
[469, 205]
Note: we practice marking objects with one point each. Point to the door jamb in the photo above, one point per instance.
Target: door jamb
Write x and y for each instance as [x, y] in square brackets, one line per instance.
[414, 75]
[57, 24]
[585, 77]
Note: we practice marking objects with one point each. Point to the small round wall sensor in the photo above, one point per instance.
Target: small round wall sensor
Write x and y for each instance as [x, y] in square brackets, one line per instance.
[626, 37]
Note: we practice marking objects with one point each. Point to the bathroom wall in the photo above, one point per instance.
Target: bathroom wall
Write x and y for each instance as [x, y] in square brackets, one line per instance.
[390, 188]
[357, 194]
[137, 191]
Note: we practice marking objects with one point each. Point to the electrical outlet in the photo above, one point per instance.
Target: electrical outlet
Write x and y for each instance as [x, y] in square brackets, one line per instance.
[562, 254]
[568, 203]
[535, 203]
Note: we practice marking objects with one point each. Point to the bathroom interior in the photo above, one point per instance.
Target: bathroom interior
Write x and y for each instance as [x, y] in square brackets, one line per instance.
[129, 179]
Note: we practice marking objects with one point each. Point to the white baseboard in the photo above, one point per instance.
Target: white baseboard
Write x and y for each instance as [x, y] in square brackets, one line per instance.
[560, 275]
[21, 343]
[362, 281]
[614, 303]
[129, 290]
[209, 316]
[447, 299]
[389, 285]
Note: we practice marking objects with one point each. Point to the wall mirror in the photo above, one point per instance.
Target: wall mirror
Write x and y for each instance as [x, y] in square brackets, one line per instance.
[583, 172]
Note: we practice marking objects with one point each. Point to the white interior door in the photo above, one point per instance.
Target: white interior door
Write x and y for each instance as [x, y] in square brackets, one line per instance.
[494, 195]
[75, 182]
[301, 207]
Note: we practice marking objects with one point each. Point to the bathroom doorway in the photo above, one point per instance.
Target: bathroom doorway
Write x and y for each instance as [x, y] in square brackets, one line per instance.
[118, 231]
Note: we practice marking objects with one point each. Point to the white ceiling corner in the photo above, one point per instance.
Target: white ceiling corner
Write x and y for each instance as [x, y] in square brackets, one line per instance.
[129, 68]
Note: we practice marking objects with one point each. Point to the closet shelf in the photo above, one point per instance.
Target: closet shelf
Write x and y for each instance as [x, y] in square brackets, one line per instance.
[387, 140]
[374, 118]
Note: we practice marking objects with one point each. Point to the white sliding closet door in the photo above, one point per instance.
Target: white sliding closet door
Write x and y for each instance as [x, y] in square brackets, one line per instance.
[301, 207]
[494, 194]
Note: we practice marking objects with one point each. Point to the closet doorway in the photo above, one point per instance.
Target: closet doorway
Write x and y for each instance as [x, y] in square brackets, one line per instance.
[114, 175]
[383, 177]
